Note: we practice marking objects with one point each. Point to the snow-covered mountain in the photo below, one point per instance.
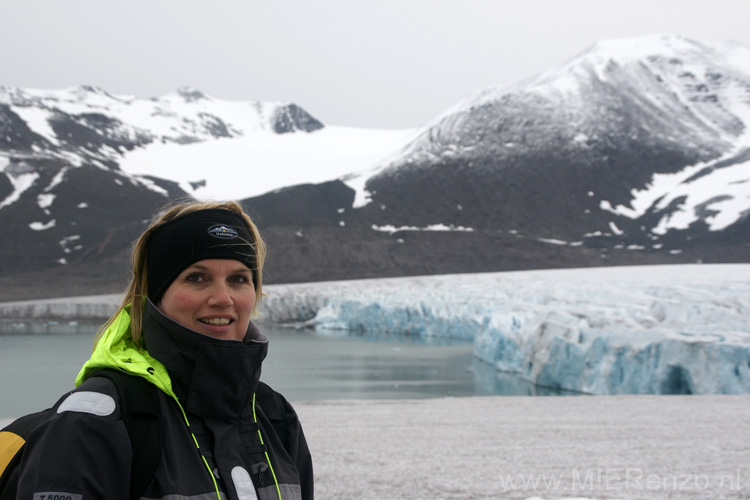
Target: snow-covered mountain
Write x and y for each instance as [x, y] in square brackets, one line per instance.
[633, 140]
[64, 198]
[182, 117]
[211, 148]
[634, 152]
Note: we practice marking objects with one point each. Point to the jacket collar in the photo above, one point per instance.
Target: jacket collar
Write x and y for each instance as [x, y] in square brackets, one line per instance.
[238, 372]
[116, 349]
[211, 377]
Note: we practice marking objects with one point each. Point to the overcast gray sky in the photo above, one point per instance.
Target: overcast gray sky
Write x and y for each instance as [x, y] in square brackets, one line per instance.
[380, 64]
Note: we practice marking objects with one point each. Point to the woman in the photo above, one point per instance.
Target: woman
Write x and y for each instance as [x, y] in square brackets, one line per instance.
[184, 326]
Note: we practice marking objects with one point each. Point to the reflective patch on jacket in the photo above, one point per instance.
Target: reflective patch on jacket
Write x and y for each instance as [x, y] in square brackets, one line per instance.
[243, 483]
[56, 495]
[290, 491]
[94, 403]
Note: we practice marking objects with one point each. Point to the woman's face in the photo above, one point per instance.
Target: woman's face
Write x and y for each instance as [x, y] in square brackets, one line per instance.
[214, 297]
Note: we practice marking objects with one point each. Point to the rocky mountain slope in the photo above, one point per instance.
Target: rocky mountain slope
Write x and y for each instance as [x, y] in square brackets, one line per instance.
[634, 152]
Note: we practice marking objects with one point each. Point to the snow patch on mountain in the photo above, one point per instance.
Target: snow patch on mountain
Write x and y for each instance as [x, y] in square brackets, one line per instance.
[37, 120]
[559, 242]
[57, 179]
[432, 227]
[357, 182]
[148, 183]
[44, 200]
[21, 182]
[41, 226]
[716, 192]
[69, 243]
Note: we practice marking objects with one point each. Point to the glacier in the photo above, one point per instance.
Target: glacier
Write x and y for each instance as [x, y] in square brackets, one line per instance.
[679, 329]
[682, 329]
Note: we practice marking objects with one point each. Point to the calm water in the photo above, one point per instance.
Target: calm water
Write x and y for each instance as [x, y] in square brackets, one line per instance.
[40, 362]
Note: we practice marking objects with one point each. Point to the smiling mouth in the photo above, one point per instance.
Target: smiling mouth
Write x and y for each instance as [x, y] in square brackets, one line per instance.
[216, 321]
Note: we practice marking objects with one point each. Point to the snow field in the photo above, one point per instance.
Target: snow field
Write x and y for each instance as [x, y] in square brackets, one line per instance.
[260, 161]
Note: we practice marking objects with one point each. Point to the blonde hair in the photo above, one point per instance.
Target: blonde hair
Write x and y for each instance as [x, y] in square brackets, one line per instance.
[137, 290]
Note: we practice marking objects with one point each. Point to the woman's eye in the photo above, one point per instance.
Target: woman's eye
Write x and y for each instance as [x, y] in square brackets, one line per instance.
[194, 278]
[239, 278]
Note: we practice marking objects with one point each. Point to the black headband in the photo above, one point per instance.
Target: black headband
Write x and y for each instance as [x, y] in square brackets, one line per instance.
[204, 234]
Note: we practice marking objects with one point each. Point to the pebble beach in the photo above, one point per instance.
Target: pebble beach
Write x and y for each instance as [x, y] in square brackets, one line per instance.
[590, 447]
[629, 447]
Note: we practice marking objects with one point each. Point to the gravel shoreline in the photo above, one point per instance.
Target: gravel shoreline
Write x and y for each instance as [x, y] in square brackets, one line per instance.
[627, 447]
[595, 447]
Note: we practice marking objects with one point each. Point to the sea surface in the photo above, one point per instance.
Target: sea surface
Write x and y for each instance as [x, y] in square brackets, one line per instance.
[40, 361]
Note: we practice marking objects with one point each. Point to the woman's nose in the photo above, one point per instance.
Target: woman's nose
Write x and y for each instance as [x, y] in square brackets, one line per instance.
[220, 295]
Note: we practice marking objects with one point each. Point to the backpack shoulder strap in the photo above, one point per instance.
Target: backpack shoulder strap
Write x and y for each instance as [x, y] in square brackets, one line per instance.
[140, 412]
[12, 439]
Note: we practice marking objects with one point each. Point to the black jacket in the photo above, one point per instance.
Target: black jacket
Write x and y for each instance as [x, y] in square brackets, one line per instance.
[219, 437]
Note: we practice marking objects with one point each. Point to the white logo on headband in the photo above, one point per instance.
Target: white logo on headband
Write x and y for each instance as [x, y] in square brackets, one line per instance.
[222, 231]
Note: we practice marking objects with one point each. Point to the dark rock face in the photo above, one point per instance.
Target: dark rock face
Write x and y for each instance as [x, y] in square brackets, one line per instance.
[323, 250]
[304, 205]
[6, 187]
[292, 118]
[89, 133]
[89, 213]
[215, 125]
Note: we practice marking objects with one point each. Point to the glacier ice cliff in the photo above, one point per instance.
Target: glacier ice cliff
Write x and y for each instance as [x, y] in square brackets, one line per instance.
[682, 329]
[630, 330]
